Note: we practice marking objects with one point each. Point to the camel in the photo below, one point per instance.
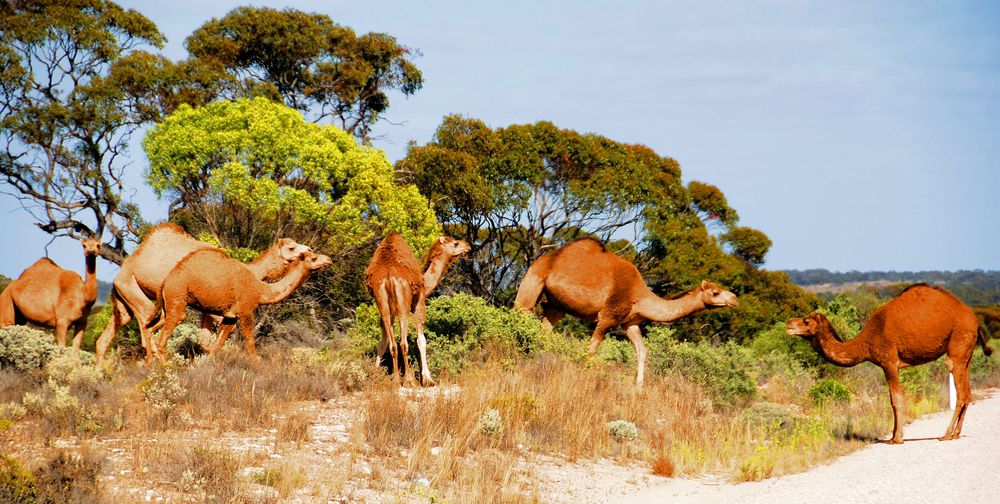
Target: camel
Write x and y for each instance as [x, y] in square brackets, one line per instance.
[216, 283]
[921, 324]
[395, 280]
[142, 273]
[583, 279]
[49, 296]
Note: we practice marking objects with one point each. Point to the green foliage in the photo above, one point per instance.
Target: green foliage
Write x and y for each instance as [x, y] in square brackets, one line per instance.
[162, 389]
[491, 423]
[748, 244]
[461, 329]
[17, 485]
[24, 348]
[776, 340]
[709, 199]
[829, 390]
[622, 430]
[4, 281]
[264, 157]
[511, 191]
[308, 61]
[726, 371]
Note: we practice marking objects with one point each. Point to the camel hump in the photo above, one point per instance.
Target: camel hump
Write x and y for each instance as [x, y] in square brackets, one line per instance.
[45, 262]
[394, 257]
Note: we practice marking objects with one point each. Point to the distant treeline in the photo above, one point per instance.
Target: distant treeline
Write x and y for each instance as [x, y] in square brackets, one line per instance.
[975, 287]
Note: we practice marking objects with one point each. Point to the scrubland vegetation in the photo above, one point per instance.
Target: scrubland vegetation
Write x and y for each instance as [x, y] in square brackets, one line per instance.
[230, 429]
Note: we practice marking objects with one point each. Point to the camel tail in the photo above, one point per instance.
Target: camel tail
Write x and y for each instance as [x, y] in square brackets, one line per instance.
[984, 337]
[531, 288]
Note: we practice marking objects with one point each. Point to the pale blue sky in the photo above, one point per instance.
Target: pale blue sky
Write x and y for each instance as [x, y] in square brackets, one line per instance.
[856, 134]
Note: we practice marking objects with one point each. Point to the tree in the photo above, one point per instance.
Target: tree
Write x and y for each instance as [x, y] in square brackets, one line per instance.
[514, 192]
[308, 61]
[256, 163]
[748, 244]
[67, 110]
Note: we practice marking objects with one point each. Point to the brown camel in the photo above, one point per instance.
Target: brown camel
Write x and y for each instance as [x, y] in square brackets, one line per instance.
[586, 281]
[50, 296]
[142, 273]
[395, 280]
[921, 324]
[215, 283]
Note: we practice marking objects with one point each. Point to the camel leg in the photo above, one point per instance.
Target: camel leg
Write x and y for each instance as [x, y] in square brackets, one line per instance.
[61, 327]
[119, 317]
[78, 329]
[635, 336]
[208, 323]
[419, 315]
[404, 299]
[246, 327]
[225, 329]
[958, 365]
[598, 336]
[173, 315]
[898, 400]
[385, 319]
[531, 286]
[131, 295]
[551, 316]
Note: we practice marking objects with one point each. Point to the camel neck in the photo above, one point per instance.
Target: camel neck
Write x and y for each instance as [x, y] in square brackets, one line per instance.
[657, 309]
[841, 353]
[278, 291]
[90, 284]
[268, 264]
[437, 264]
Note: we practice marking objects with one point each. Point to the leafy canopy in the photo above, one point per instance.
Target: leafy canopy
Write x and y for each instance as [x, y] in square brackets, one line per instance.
[68, 107]
[307, 60]
[265, 157]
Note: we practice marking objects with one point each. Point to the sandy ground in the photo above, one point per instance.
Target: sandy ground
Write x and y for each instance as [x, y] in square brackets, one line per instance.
[922, 470]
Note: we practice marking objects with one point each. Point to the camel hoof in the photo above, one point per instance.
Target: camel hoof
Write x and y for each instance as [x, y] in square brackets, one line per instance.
[948, 437]
[894, 441]
[409, 382]
[428, 382]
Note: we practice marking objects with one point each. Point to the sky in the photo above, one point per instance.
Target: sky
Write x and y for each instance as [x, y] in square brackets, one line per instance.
[857, 135]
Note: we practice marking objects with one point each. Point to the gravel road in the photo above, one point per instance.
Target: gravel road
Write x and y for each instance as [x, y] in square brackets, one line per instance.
[921, 470]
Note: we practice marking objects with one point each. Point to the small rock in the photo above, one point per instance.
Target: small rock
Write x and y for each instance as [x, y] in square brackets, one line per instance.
[261, 493]
[422, 481]
[366, 470]
[436, 451]
[324, 399]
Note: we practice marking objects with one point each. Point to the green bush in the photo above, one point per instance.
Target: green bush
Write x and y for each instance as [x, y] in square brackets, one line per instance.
[985, 370]
[776, 340]
[622, 430]
[829, 390]
[17, 485]
[462, 329]
[25, 348]
[726, 372]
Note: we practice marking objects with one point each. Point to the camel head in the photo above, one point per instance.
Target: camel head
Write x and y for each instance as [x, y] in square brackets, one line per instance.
[315, 261]
[808, 326]
[714, 296]
[452, 247]
[91, 246]
[290, 250]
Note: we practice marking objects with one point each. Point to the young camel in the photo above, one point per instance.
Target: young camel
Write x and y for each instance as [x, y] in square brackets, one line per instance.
[142, 274]
[215, 283]
[395, 280]
[918, 326]
[50, 296]
[586, 281]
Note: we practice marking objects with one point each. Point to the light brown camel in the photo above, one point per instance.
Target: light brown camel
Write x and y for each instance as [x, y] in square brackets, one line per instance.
[50, 296]
[215, 283]
[395, 280]
[918, 326]
[142, 273]
[586, 281]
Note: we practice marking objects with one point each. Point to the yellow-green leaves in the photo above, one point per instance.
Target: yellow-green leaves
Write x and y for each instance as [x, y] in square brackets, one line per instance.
[265, 157]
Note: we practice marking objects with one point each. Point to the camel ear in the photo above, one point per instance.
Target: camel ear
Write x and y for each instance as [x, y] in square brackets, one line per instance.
[704, 284]
[442, 239]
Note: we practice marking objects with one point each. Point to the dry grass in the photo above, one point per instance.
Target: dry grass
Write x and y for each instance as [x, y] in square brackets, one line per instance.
[475, 438]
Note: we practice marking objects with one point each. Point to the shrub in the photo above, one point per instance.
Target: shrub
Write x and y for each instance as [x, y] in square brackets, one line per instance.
[985, 370]
[491, 422]
[622, 430]
[162, 389]
[12, 411]
[17, 485]
[25, 348]
[829, 390]
[70, 478]
[726, 371]
[458, 329]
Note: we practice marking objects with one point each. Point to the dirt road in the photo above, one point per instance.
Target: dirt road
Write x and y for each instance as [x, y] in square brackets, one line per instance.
[921, 470]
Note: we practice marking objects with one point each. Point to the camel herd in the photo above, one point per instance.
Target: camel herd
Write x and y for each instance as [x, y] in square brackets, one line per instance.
[171, 270]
